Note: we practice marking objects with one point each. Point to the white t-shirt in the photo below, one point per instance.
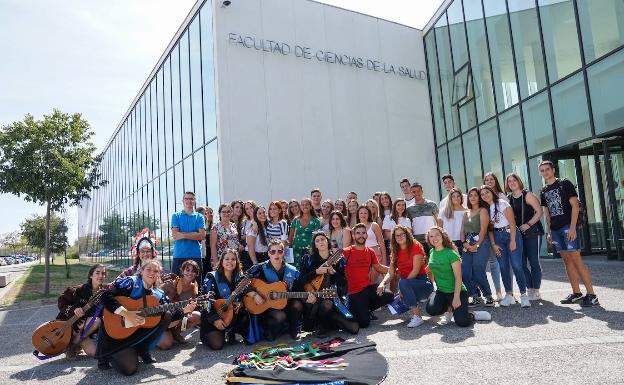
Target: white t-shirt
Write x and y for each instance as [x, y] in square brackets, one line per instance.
[499, 220]
[260, 248]
[410, 202]
[453, 225]
[389, 224]
[443, 202]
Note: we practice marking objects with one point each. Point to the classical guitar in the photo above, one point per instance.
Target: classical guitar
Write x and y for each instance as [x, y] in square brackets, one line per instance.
[53, 337]
[116, 326]
[276, 295]
[226, 308]
[317, 283]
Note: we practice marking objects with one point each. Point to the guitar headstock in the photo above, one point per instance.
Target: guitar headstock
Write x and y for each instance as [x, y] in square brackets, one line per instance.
[327, 293]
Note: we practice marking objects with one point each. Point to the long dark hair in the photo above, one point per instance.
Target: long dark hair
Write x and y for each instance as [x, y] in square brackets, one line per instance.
[237, 269]
[344, 207]
[382, 214]
[261, 226]
[495, 200]
[313, 249]
[91, 271]
[349, 215]
[343, 222]
[239, 220]
[480, 204]
[292, 216]
[394, 245]
[311, 212]
[497, 185]
[395, 214]
[370, 213]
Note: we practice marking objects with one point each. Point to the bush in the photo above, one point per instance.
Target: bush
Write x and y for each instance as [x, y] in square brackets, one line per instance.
[72, 255]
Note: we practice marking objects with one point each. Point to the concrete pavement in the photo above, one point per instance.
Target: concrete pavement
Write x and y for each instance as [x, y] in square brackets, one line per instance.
[547, 343]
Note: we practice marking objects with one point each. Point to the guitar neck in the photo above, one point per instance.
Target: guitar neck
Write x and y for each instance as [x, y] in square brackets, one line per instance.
[294, 294]
[332, 259]
[157, 310]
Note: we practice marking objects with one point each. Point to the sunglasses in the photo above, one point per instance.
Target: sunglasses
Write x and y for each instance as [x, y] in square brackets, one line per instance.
[278, 252]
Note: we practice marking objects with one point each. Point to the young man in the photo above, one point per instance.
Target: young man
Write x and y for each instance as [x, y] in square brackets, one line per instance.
[364, 296]
[316, 197]
[449, 183]
[424, 214]
[407, 192]
[187, 227]
[562, 212]
[351, 195]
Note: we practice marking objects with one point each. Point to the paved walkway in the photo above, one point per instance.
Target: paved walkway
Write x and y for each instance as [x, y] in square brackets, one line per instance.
[548, 343]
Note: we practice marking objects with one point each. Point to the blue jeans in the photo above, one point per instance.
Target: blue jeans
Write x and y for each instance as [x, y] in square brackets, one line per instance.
[495, 270]
[560, 240]
[473, 270]
[415, 289]
[513, 258]
[530, 257]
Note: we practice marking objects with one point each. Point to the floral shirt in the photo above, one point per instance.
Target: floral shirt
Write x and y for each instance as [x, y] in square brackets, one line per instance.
[227, 238]
[303, 237]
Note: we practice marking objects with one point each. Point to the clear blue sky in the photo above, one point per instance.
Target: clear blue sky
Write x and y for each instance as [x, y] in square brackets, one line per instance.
[92, 56]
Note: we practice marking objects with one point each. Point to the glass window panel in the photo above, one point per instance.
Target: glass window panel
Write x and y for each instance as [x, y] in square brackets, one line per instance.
[570, 109]
[179, 185]
[189, 185]
[212, 175]
[456, 161]
[434, 87]
[164, 208]
[199, 161]
[148, 133]
[527, 45]
[512, 143]
[168, 118]
[560, 38]
[501, 53]
[153, 111]
[538, 124]
[602, 26]
[160, 116]
[467, 116]
[472, 160]
[175, 104]
[185, 96]
[606, 82]
[447, 77]
[458, 33]
[207, 62]
[490, 149]
[196, 96]
[443, 163]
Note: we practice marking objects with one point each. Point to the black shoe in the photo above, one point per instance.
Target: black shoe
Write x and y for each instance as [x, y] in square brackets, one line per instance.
[103, 364]
[474, 302]
[590, 300]
[572, 298]
[489, 301]
[372, 315]
[146, 357]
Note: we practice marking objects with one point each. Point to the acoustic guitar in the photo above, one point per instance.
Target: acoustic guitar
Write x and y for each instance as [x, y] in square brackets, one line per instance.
[118, 329]
[53, 337]
[276, 295]
[317, 283]
[226, 308]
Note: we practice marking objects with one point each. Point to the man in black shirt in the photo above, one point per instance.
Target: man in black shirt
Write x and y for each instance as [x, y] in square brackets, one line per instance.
[562, 212]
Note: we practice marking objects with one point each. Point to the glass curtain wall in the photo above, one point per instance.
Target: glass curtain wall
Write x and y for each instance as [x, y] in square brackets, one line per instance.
[166, 145]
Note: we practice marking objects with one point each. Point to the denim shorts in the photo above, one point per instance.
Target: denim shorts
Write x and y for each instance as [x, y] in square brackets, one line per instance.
[560, 240]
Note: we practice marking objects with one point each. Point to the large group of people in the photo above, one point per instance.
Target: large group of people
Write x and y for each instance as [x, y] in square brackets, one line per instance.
[431, 257]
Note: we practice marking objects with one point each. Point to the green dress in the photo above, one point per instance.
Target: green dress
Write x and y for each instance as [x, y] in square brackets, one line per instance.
[303, 238]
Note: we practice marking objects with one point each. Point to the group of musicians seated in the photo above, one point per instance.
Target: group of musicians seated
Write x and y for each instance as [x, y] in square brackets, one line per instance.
[349, 276]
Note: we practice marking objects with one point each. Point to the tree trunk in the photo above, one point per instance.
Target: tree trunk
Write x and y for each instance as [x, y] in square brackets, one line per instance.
[46, 284]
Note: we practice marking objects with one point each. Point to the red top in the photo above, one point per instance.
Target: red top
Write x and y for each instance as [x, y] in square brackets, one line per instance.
[359, 263]
[405, 260]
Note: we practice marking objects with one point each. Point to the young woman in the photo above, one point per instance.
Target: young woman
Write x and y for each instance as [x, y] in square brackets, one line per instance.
[444, 269]
[373, 206]
[301, 230]
[475, 249]
[352, 208]
[237, 217]
[506, 245]
[339, 233]
[274, 270]
[385, 207]
[257, 240]
[341, 206]
[143, 249]
[374, 239]
[453, 216]
[397, 217]
[124, 354]
[407, 263]
[284, 206]
[70, 303]
[208, 214]
[326, 208]
[223, 235]
[491, 180]
[180, 289]
[248, 209]
[277, 228]
[528, 213]
[222, 283]
[294, 210]
[326, 314]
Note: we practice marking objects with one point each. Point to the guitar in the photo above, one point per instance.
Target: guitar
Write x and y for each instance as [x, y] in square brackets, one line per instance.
[276, 295]
[53, 337]
[226, 308]
[118, 329]
[317, 283]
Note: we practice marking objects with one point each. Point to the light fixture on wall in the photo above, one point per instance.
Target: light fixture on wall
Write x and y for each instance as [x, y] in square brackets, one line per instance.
[225, 3]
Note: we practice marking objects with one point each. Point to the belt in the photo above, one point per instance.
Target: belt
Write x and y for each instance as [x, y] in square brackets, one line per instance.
[506, 228]
[472, 234]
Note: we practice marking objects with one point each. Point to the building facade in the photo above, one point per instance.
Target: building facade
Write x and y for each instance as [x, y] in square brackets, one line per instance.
[263, 100]
[513, 82]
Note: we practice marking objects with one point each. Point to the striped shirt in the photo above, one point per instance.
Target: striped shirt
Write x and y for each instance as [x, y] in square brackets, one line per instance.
[277, 230]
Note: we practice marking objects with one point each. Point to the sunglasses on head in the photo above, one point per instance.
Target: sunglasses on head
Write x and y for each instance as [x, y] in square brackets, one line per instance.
[276, 251]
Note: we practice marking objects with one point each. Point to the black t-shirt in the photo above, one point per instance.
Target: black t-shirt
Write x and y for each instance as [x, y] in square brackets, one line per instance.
[556, 197]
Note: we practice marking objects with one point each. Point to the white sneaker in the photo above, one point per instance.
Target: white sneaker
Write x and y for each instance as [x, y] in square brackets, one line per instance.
[480, 315]
[524, 300]
[508, 300]
[446, 318]
[415, 321]
[534, 296]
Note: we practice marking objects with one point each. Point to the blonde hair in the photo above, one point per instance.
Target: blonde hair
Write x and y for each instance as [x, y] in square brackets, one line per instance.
[448, 209]
[149, 262]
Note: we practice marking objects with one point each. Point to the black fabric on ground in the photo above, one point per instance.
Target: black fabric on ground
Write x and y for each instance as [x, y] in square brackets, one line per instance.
[366, 367]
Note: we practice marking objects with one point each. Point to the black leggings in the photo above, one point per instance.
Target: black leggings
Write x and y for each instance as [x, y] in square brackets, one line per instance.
[273, 319]
[441, 302]
[360, 304]
[324, 315]
[215, 338]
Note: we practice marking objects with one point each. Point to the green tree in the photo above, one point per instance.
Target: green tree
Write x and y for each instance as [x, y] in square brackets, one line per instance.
[114, 233]
[49, 162]
[12, 240]
[33, 231]
[139, 221]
